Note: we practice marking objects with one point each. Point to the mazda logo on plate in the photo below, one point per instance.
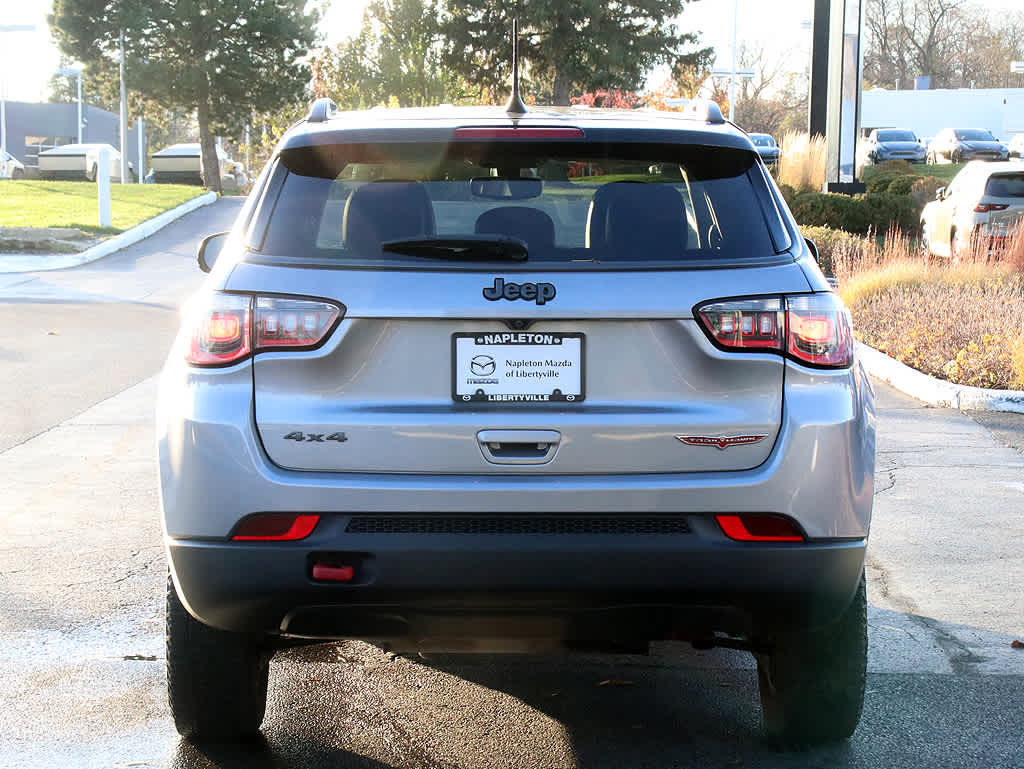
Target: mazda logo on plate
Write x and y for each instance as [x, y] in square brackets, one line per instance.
[482, 365]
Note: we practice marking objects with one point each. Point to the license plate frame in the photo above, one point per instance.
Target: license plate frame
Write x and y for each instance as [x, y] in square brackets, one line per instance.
[485, 383]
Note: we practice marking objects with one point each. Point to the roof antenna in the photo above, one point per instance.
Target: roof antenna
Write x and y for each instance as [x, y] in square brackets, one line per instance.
[515, 104]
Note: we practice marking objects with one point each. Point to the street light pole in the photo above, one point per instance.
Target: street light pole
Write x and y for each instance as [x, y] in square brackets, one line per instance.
[124, 121]
[3, 83]
[732, 69]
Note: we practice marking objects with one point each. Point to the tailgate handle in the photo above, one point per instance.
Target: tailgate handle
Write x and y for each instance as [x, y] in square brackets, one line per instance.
[518, 447]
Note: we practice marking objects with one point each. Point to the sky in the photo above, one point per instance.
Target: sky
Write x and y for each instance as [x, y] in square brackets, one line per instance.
[28, 59]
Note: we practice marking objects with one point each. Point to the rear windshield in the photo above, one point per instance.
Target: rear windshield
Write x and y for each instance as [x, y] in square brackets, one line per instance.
[974, 135]
[896, 136]
[568, 202]
[1006, 186]
[761, 140]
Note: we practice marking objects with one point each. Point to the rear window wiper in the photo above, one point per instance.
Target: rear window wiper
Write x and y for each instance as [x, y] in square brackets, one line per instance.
[469, 247]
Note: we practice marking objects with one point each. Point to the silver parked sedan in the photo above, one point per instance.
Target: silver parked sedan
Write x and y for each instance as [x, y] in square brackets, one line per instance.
[473, 381]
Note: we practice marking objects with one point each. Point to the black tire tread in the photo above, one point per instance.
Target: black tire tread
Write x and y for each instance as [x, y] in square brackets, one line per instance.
[819, 680]
[216, 680]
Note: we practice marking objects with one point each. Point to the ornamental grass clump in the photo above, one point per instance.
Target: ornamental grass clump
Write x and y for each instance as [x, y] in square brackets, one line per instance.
[961, 320]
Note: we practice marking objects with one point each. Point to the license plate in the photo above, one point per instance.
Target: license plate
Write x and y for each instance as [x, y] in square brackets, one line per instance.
[517, 367]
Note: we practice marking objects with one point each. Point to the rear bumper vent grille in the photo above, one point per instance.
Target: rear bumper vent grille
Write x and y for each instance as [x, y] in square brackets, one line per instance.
[517, 524]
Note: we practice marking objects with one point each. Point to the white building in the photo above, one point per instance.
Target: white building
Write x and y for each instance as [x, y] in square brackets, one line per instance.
[1000, 110]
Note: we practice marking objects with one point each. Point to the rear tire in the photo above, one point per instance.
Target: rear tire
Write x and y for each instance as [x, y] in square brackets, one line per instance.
[216, 680]
[17, 174]
[92, 174]
[926, 247]
[812, 684]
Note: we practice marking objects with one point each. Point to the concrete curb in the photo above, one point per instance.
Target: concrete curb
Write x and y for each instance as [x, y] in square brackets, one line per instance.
[45, 262]
[934, 391]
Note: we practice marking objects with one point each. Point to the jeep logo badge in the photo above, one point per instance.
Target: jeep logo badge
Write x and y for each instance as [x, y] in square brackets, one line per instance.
[541, 293]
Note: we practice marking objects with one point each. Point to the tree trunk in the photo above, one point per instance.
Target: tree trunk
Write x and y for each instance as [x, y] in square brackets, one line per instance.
[208, 146]
[560, 89]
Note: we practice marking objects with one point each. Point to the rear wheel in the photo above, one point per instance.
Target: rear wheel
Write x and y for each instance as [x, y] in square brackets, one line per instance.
[18, 174]
[959, 245]
[812, 684]
[92, 174]
[216, 680]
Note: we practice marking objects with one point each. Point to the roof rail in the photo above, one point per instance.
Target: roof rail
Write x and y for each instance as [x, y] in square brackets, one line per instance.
[321, 110]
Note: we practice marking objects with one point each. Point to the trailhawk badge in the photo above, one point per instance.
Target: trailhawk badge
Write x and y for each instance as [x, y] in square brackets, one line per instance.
[721, 442]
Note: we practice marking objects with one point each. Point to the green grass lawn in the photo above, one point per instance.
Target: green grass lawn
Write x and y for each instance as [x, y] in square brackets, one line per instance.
[945, 171]
[74, 204]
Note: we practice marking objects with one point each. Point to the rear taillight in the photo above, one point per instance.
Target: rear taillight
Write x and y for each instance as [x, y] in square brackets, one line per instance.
[291, 323]
[813, 329]
[984, 208]
[227, 328]
[220, 331]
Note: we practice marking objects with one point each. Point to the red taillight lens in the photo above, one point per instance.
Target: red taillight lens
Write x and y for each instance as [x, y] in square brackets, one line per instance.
[813, 329]
[292, 323]
[275, 527]
[758, 527]
[229, 327]
[984, 208]
[820, 332]
[220, 331]
[744, 324]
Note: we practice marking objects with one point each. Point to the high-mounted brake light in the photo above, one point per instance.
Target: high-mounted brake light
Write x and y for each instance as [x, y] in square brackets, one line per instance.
[227, 328]
[813, 329]
[519, 133]
[275, 527]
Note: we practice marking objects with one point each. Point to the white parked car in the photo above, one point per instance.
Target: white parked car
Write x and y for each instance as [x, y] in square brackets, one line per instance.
[11, 167]
[183, 164]
[984, 201]
[79, 161]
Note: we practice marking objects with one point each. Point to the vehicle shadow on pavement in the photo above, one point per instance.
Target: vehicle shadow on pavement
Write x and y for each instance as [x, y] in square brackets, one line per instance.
[351, 704]
[261, 754]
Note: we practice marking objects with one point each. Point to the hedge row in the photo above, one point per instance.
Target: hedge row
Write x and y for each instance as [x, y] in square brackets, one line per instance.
[878, 212]
[895, 197]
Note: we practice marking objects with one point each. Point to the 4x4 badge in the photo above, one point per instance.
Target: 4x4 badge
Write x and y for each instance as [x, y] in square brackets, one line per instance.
[721, 442]
[537, 292]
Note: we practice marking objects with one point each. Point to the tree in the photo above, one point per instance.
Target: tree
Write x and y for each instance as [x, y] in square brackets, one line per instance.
[952, 42]
[774, 100]
[395, 58]
[566, 46]
[222, 59]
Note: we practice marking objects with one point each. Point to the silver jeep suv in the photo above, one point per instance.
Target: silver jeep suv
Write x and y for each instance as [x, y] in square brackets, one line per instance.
[461, 380]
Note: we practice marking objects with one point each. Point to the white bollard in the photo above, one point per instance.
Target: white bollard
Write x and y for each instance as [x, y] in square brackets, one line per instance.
[103, 185]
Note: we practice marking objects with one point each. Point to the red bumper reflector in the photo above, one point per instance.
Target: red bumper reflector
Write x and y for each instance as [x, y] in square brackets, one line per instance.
[333, 573]
[276, 527]
[759, 528]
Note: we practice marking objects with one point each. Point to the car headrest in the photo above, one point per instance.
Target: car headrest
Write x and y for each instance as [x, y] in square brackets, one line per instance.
[637, 219]
[387, 210]
[528, 224]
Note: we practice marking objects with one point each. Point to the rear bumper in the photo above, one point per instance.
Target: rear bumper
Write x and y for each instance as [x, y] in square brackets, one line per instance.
[569, 588]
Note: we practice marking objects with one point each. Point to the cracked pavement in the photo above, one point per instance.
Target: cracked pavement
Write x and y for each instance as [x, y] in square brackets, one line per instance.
[82, 579]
